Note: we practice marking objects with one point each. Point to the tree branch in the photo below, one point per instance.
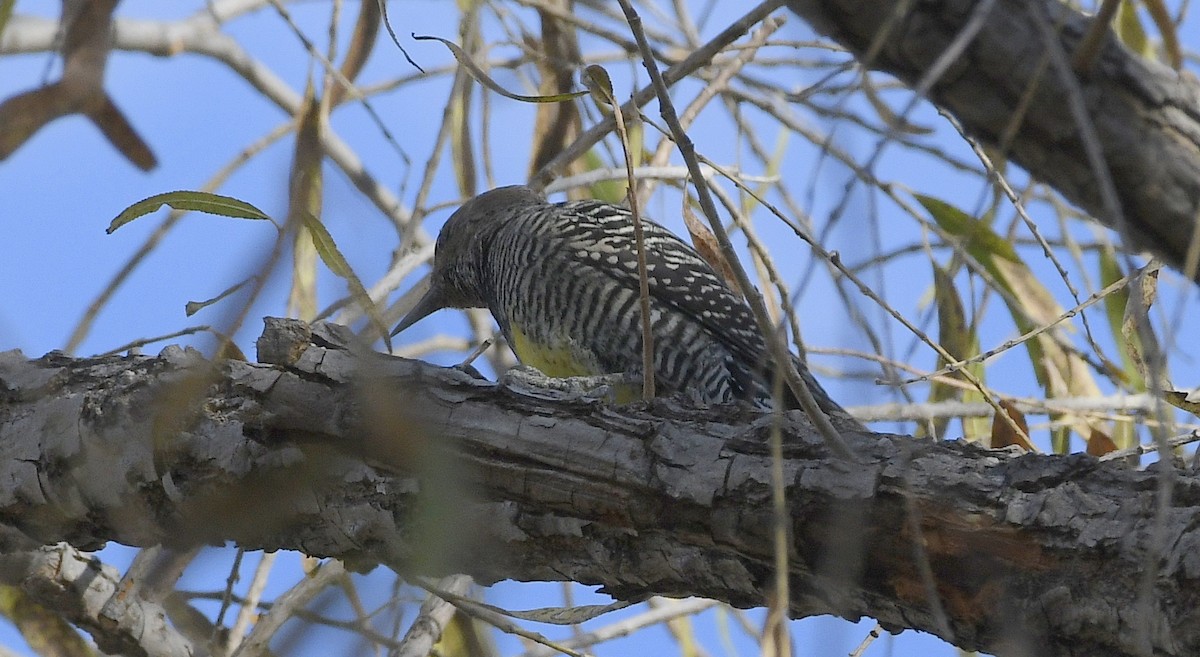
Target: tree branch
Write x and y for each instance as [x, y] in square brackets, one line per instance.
[1029, 554]
[1145, 116]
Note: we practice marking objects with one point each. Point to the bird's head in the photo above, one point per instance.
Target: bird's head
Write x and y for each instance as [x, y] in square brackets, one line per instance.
[455, 281]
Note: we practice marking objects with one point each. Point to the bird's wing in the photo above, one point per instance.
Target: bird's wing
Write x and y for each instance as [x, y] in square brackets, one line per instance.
[678, 276]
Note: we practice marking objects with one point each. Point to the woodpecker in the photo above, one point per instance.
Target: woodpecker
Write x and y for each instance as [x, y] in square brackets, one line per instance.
[561, 280]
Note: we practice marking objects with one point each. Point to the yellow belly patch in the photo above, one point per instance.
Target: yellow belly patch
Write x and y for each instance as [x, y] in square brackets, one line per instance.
[551, 360]
[561, 361]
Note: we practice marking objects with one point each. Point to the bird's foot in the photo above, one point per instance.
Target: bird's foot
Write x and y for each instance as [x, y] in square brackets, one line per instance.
[531, 382]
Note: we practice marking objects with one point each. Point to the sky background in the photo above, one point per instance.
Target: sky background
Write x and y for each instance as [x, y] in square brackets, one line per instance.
[64, 186]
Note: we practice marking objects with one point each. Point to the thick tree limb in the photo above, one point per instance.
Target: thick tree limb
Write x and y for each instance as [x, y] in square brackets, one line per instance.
[1028, 554]
[1005, 90]
[80, 590]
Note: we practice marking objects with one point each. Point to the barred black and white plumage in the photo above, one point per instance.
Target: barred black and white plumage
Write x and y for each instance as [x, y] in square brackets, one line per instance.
[561, 280]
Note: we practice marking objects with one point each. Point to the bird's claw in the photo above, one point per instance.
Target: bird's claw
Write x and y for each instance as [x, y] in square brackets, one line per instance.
[532, 382]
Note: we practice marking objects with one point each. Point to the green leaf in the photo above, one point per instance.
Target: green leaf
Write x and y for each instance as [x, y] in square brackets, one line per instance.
[183, 200]
[6, 9]
[1166, 30]
[1114, 310]
[599, 85]
[337, 263]
[979, 238]
[1128, 28]
[1060, 371]
[609, 191]
[960, 340]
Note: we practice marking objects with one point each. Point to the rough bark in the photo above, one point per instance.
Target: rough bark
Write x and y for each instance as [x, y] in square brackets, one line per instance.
[344, 452]
[1145, 116]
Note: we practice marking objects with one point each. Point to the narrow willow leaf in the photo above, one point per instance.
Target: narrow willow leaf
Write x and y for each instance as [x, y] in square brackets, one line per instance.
[1145, 287]
[184, 200]
[609, 191]
[550, 615]
[463, 159]
[305, 189]
[556, 125]
[959, 339]
[1114, 311]
[482, 78]
[599, 85]
[979, 239]
[1184, 401]
[1060, 371]
[1128, 28]
[366, 29]
[774, 164]
[685, 636]
[336, 262]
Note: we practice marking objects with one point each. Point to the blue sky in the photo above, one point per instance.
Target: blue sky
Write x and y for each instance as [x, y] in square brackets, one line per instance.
[64, 186]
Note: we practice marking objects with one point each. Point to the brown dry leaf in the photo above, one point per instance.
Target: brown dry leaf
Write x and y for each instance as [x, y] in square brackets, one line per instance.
[557, 57]
[366, 29]
[305, 191]
[1099, 443]
[1003, 434]
[708, 248]
[1185, 401]
[959, 339]
[1059, 370]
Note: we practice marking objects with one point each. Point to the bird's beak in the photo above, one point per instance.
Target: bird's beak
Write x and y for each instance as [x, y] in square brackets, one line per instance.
[432, 300]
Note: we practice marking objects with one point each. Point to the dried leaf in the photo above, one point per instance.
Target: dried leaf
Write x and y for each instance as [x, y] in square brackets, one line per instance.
[707, 246]
[366, 29]
[1060, 371]
[1099, 443]
[1003, 433]
[961, 342]
[557, 57]
[1184, 401]
[305, 190]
